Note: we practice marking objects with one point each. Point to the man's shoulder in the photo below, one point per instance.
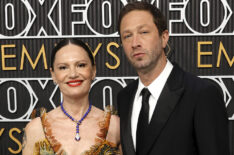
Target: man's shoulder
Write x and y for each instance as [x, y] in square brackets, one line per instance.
[194, 83]
[130, 87]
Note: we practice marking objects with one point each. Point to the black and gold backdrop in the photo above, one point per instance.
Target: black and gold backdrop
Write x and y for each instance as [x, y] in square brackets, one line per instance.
[201, 42]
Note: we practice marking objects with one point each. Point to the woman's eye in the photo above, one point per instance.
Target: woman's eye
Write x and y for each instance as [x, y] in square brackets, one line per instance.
[82, 65]
[62, 67]
[144, 32]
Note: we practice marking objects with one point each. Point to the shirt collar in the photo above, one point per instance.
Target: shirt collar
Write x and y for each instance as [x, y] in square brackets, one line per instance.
[157, 85]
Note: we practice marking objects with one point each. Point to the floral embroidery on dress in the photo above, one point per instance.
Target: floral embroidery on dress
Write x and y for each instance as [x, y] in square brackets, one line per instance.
[50, 146]
[102, 146]
[43, 148]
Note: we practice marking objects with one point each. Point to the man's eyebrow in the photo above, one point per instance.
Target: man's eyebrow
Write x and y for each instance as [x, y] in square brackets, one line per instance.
[126, 31]
[139, 27]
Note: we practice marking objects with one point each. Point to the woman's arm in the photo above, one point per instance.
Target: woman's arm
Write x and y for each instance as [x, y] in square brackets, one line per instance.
[33, 132]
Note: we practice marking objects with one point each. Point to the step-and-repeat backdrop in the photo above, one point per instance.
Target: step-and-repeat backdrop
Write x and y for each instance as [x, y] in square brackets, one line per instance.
[201, 42]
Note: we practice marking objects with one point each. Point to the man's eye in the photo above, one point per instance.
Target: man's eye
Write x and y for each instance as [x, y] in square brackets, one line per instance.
[127, 36]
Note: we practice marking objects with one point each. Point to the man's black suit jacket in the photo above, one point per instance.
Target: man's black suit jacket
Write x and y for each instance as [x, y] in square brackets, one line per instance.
[189, 119]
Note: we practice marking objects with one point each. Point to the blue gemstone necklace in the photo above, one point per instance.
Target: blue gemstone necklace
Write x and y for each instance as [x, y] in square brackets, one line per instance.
[78, 122]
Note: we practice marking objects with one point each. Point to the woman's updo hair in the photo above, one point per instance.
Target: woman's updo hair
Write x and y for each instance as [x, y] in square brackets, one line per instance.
[74, 41]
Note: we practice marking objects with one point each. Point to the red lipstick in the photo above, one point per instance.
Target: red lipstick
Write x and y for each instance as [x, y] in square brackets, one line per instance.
[74, 83]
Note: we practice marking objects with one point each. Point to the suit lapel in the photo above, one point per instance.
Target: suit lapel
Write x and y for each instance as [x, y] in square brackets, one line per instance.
[167, 101]
[126, 125]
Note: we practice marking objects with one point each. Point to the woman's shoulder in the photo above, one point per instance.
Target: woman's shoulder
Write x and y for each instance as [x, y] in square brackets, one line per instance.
[115, 121]
[114, 129]
[108, 121]
[97, 111]
[114, 118]
[33, 132]
[108, 137]
[35, 139]
[108, 111]
[34, 125]
[113, 133]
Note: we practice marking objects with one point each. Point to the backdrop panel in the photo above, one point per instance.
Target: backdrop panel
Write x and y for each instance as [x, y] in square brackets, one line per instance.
[201, 42]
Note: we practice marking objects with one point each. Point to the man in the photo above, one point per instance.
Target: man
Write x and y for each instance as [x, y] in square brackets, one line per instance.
[178, 113]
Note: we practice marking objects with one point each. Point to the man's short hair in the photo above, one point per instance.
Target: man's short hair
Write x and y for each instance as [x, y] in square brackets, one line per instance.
[158, 17]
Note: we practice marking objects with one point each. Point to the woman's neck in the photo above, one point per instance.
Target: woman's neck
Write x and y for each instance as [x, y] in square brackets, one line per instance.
[76, 107]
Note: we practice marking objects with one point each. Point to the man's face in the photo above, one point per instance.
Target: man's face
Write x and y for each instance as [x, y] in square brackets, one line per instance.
[143, 45]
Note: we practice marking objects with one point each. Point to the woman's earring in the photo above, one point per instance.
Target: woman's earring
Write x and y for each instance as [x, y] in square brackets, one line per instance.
[54, 83]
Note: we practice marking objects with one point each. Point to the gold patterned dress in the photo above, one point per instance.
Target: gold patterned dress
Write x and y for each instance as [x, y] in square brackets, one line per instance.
[50, 146]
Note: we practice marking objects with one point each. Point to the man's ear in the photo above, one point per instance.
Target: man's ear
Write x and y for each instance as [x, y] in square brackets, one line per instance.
[165, 38]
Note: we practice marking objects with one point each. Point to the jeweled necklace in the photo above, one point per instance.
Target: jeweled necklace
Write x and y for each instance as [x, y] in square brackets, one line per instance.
[78, 122]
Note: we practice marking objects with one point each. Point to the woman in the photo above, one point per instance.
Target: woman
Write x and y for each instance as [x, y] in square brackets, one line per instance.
[75, 127]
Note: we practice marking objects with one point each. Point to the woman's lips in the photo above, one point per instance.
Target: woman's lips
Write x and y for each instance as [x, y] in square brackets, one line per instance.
[74, 83]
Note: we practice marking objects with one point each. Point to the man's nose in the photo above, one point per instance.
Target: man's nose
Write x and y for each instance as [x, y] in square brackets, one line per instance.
[136, 42]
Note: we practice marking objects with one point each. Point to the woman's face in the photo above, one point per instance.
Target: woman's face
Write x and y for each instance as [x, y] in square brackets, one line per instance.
[73, 71]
